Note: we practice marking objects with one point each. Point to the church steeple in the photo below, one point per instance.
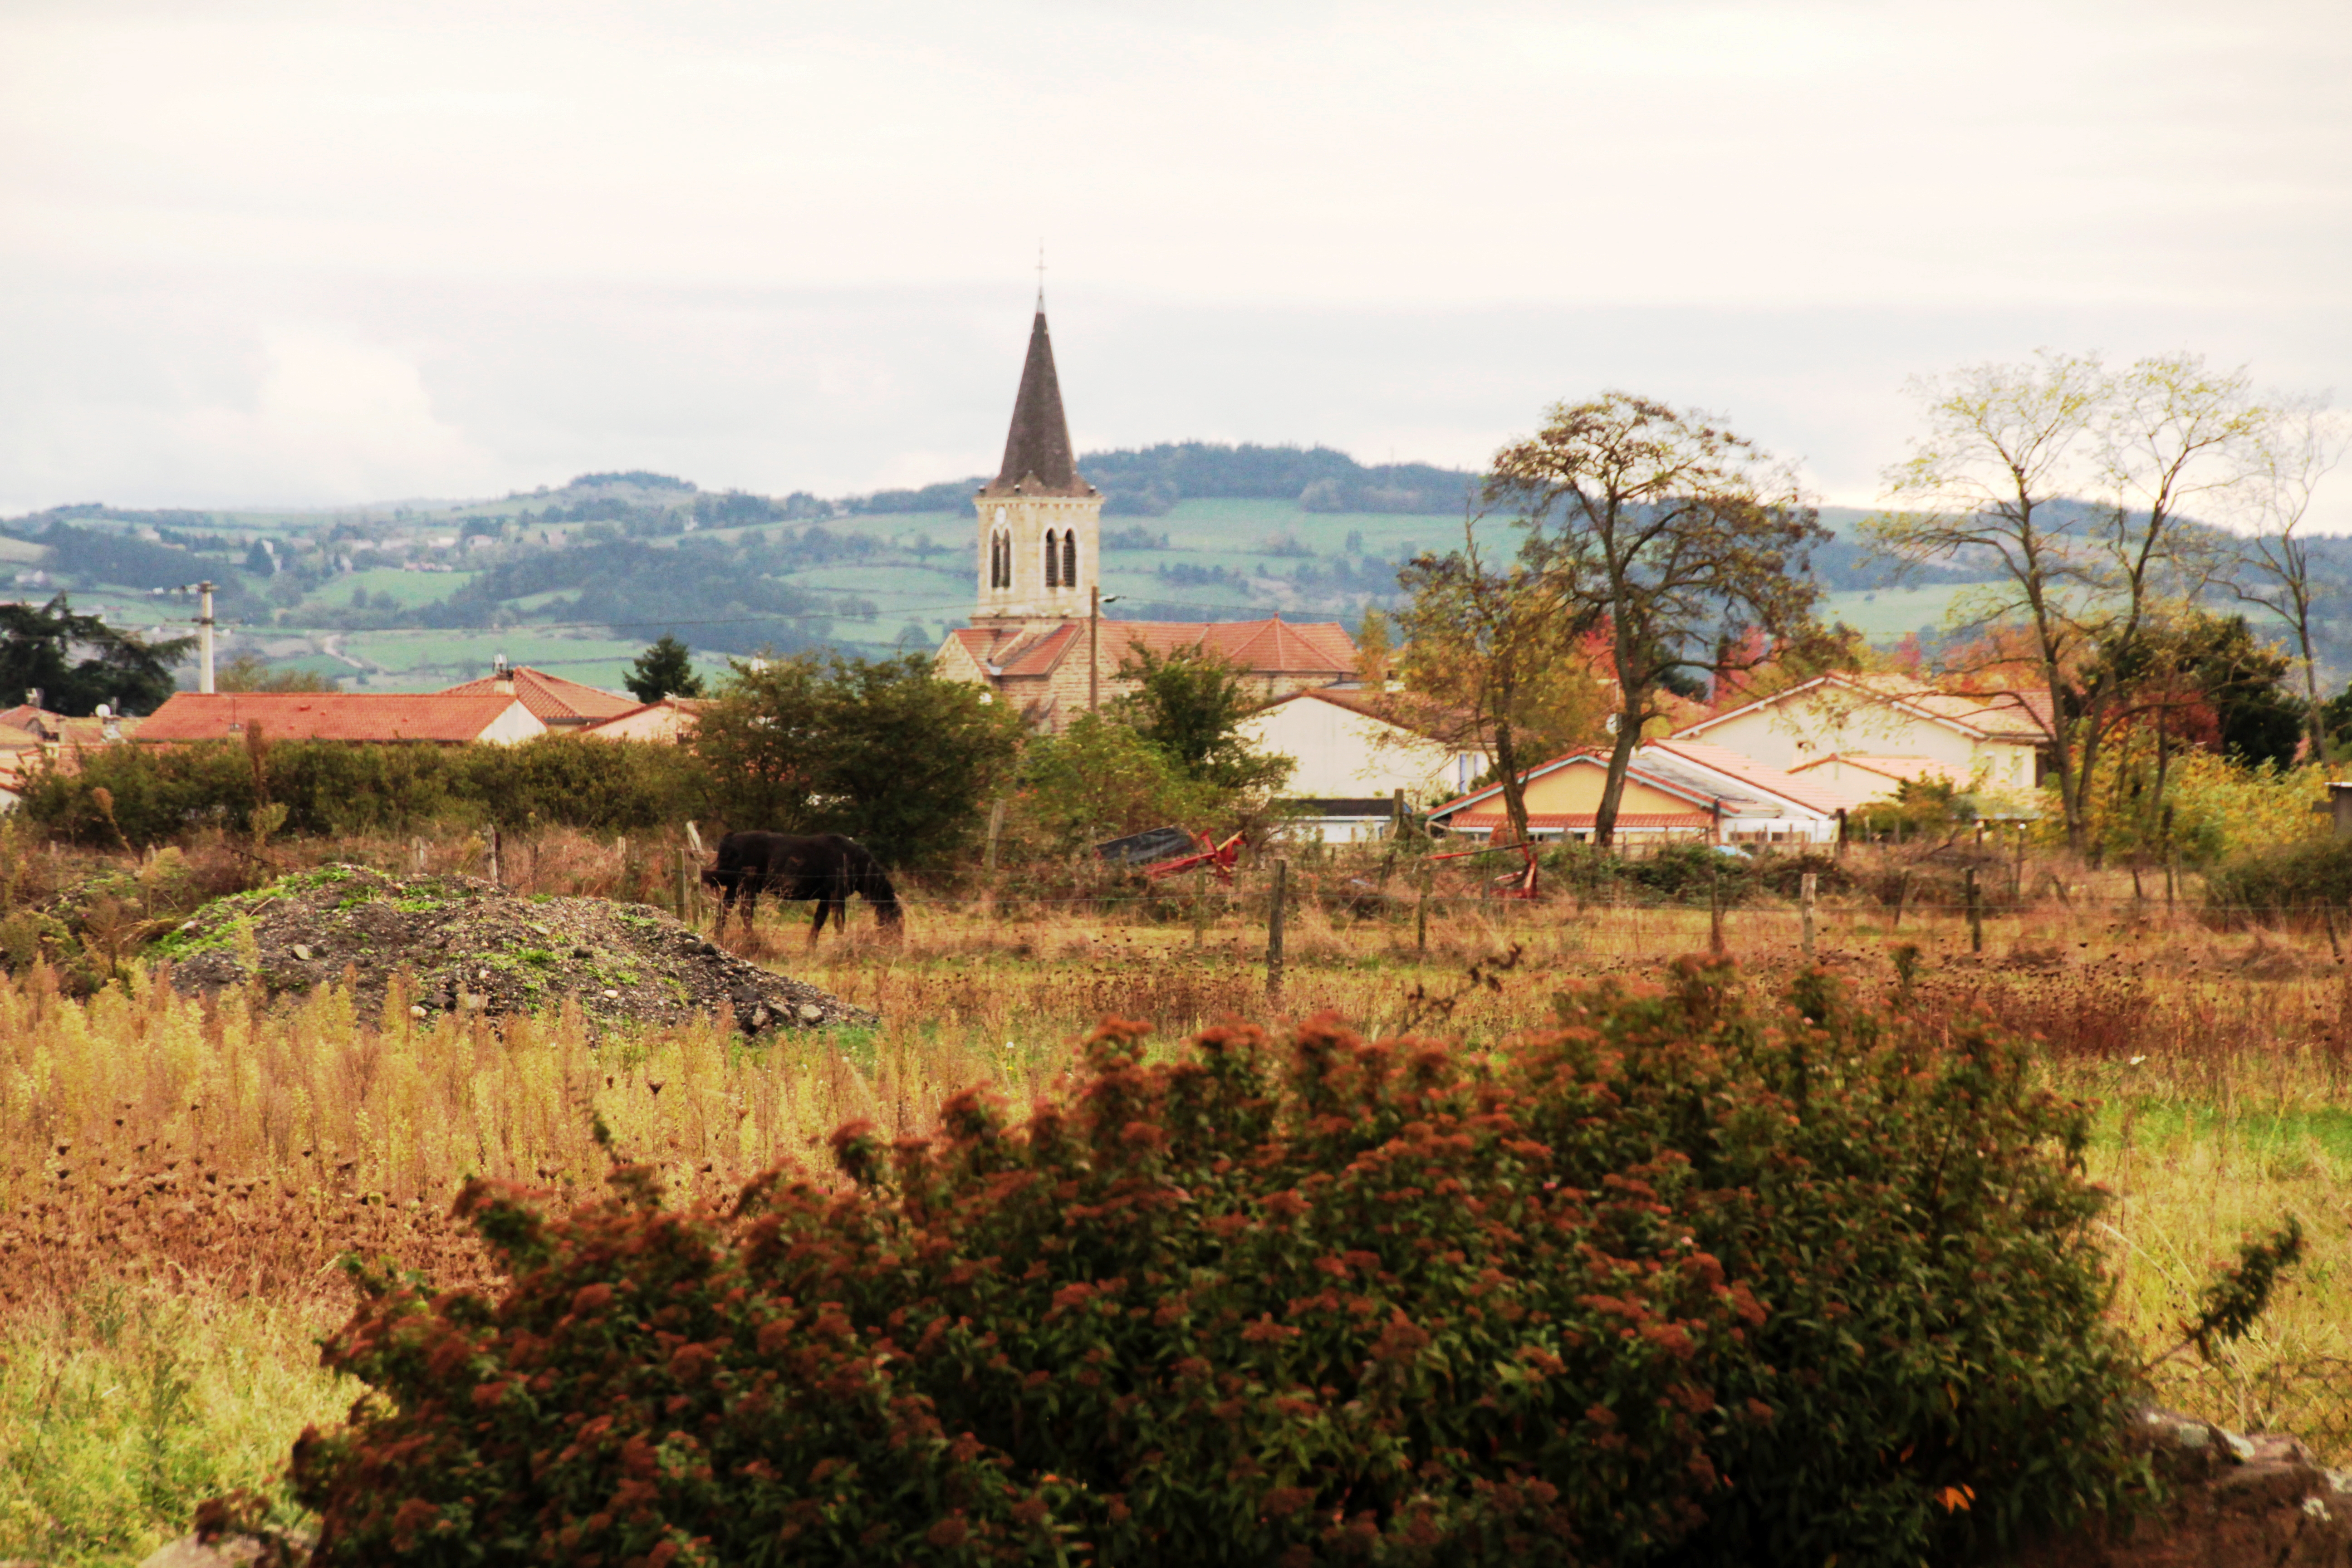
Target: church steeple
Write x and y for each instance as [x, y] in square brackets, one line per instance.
[1037, 456]
[1040, 522]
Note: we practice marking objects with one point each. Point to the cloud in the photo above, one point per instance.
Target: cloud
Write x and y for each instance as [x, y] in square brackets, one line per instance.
[329, 419]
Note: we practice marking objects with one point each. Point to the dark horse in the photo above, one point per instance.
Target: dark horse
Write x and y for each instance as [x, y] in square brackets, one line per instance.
[821, 865]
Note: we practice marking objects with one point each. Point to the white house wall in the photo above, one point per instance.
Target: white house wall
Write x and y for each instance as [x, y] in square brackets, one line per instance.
[1807, 729]
[1340, 754]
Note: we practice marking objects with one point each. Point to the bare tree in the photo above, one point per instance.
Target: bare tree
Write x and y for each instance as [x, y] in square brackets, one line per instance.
[2069, 480]
[1676, 534]
[2303, 440]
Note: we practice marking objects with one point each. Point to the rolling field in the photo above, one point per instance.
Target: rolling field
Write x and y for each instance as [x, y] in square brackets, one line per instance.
[159, 1349]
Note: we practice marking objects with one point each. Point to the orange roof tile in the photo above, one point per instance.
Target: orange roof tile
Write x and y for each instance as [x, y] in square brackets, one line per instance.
[552, 698]
[327, 716]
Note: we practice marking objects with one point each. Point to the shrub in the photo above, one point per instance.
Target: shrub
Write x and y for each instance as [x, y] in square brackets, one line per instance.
[2283, 884]
[1684, 1281]
[339, 788]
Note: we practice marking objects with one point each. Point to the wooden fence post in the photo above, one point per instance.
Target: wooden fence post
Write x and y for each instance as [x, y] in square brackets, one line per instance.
[995, 827]
[1715, 908]
[496, 880]
[1976, 915]
[416, 847]
[1200, 906]
[1421, 914]
[685, 885]
[1806, 889]
[1274, 928]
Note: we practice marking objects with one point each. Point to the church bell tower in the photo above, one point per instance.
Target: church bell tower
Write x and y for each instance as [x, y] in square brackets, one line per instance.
[1040, 522]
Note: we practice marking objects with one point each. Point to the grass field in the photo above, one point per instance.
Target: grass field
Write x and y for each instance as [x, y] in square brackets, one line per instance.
[179, 1179]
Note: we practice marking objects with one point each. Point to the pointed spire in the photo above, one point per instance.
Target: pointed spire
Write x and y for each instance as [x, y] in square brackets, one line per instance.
[1037, 455]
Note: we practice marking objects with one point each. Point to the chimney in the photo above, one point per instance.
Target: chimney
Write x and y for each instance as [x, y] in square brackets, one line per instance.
[502, 675]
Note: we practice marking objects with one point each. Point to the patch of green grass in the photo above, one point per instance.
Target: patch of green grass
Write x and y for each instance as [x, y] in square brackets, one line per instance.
[418, 905]
[2271, 1133]
[124, 1409]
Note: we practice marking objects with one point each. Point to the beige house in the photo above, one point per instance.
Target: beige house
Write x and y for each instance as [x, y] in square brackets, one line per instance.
[1870, 732]
[1354, 749]
[1674, 790]
[671, 721]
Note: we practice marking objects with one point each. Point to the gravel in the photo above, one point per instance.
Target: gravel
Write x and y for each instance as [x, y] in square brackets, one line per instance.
[471, 947]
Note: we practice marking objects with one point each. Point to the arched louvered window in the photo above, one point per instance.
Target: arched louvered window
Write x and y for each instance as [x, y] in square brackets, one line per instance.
[1053, 562]
[1070, 558]
[999, 561]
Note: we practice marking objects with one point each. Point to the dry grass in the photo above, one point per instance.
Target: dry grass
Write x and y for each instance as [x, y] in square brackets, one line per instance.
[215, 1158]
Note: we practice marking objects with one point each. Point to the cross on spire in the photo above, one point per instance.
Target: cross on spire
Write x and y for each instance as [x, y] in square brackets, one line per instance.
[1041, 275]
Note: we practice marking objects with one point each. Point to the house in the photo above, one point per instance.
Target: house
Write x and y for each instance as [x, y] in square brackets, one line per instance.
[672, 721]
[1354, 749]
[1880, 729]
[32, 738]
[557, 703]
[433, 719]
[1674, 790]
[1037, 639]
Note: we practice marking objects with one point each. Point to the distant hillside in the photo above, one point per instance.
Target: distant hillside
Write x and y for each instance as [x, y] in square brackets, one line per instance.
[1148, 481]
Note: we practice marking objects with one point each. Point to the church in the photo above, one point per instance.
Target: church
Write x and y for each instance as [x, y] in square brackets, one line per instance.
[1037, 636]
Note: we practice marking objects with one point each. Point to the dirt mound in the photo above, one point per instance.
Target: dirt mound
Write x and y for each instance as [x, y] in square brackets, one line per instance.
[469, 946]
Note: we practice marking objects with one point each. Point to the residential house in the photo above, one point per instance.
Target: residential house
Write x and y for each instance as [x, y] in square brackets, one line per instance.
[428, 717]
[1675, 790]
[557, 703]
[1355, 750]
[32, 738]
[1871, 732]
[671, 721]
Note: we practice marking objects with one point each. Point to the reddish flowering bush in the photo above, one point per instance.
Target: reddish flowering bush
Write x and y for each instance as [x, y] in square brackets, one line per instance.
[1673, 1281]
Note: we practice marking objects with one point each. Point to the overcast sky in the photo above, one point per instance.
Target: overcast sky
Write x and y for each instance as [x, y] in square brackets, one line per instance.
[315, 253]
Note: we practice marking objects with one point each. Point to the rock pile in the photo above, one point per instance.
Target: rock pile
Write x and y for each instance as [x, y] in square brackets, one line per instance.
[2229, 1500]
[469, 946]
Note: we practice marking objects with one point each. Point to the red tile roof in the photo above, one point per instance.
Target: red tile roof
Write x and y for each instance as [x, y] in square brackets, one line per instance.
[551, 698]
[1271, 646]
[326, 716]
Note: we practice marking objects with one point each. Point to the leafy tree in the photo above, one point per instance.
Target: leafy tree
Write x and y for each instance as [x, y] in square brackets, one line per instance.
[1490, 644]
[1664, 528]
[884, 751]
[251, 672]
[79, 661]
[663, 670]
[1190, 704]
[1101, 778]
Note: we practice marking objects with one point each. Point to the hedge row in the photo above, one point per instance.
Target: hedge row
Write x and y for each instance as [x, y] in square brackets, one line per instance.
[337, 788]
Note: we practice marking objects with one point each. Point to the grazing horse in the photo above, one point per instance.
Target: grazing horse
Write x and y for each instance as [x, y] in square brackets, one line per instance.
[825, 867]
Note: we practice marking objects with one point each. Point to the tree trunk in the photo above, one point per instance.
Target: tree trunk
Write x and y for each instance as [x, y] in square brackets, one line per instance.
[1620, 758]
[1515, 795]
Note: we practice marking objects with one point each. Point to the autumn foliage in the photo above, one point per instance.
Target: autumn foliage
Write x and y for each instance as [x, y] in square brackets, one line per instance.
[1689, 1278]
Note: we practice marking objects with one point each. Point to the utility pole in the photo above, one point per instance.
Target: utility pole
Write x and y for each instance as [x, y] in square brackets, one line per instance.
[1094, 644]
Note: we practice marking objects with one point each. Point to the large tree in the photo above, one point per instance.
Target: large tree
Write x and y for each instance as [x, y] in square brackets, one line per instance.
[2070, 480]
[885, 751]
[1682, 539]
[77, 662]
